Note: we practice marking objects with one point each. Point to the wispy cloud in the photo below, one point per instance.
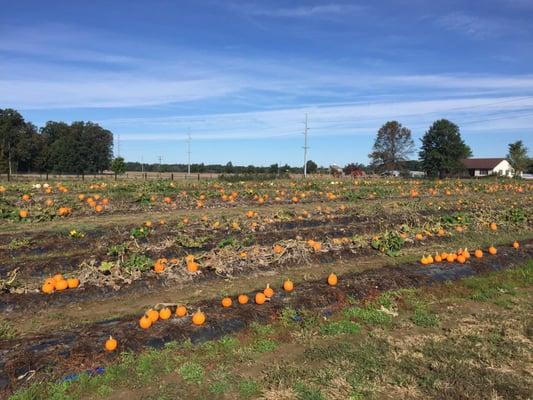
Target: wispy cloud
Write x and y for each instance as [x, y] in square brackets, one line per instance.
[317, 11]
[470, 25]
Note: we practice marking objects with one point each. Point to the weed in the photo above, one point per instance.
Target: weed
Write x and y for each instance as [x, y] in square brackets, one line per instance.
[192, 372]
[248, 388]
[389, 243]
[339, 328]
[425, 318]
[264, 345]
[368, 315]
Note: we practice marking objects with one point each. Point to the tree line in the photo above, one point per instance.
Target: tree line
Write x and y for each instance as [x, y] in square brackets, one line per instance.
[76, 148]
[441, 153]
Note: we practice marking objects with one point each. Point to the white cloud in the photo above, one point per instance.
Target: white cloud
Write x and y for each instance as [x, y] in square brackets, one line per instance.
[326, 10]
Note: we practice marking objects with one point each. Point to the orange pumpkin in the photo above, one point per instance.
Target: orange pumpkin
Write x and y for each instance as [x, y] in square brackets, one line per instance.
[492, 250]
[61, 285]
[332, 279]
[153, 315]
[288, 286]
[24, 213]
[516, 245]
[111, 344]
[198, 318]
[48, 288]
[181, 311]
[73, 283]
[260, 298]
[243, 299]
[226, 302]
[145, 322]
[269, 292]
[478, 253]
[165, 313]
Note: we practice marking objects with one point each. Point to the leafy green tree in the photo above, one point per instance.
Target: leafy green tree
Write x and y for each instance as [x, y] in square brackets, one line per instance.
[393, 144]
[12, 127]
[443, 149]
[517, 157]
[311, 167]
[228, 168]
[118, 166]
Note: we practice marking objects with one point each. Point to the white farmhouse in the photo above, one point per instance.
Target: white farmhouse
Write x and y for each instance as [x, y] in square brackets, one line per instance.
[479, 167]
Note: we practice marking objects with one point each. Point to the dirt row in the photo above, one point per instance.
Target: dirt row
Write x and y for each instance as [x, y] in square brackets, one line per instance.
[73, 350]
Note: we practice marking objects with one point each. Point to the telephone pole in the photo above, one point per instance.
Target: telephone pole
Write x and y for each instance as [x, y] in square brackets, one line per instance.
[160, 164]
[118, 144]
[189, 153]
[305, 146]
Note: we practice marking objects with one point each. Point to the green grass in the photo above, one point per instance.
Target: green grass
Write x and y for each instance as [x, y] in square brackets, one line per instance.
[192, 373]
[368, 315]
[340, 328]
[425, 318]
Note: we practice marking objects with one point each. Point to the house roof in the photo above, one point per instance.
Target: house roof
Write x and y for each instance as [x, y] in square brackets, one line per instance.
[482, 163]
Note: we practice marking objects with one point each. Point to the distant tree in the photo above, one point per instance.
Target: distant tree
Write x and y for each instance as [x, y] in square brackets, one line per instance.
[312, 167]
[393, 144]
[517, 157]
[118, 166]
[443, 149]
[228, 169]
[12, 127]
[273, 169]
[353, 168]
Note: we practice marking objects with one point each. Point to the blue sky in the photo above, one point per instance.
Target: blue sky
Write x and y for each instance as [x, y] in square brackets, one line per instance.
[242, 74]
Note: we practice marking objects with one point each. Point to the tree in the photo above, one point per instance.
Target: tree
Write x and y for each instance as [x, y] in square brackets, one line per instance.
[443, 149]
[118, 166]
[12, 127]
[393, 144]
[355, 168]
[517, 157]
[228, 169]
[311, 167]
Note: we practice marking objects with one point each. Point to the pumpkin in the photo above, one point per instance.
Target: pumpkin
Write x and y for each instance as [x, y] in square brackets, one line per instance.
[111, 344]
[26, 197]
[57, 277]
[61, 285]
[73, 283]
[145, 322]
[153, 315]
[419, 236]
[492, 250]
[516, 245]
[424, 260]
[332, 279]
[99, 208]
[451, 257]
[493, 227]
[437, 258]
[461, 259]
[288, 286]
[260, 298]
[478, 253]
[192, 266]
[48, 287]
[269, 292]
[181, 311]
[430, 259]
[24, 213]
[165, 313]
[242, 299]
[278, 249]
[159, 265]
[198, 318]
[226, 302]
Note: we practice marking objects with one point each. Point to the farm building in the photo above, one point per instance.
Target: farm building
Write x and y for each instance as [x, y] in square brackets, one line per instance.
[479, 167]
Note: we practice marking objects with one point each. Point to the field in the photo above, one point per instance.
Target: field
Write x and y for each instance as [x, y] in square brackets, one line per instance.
[397, 324]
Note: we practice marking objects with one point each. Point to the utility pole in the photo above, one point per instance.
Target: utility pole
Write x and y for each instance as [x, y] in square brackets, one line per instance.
[118, 144]
[305, 146]
[142, 165]
[189, 153]
[159, 164]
